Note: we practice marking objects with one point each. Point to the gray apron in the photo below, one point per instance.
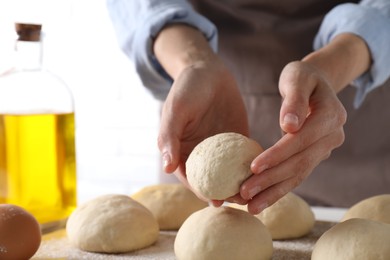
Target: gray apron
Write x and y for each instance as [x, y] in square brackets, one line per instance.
[256, 40]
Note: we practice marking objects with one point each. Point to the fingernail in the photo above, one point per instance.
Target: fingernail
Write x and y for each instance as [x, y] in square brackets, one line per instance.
[216, 203]
[290, 119]
[166, 158]
[237, 201]
[253, 192]
[261, 207]
[259, 169]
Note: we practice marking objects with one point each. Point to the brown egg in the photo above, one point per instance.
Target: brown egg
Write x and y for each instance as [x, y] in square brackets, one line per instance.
[20, 233]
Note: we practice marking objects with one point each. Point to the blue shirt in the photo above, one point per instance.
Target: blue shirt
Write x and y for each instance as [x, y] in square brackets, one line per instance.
[137, 22]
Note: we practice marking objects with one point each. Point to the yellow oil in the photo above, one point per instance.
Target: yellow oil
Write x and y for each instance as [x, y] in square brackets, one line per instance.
[38, 165]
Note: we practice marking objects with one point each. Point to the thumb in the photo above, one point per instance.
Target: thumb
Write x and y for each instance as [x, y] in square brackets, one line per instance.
[169, 147]
[295, 105]
[292, 115]
[169, 137]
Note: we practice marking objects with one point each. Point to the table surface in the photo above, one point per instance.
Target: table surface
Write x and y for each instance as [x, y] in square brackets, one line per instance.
[55, 245]
[328, 214]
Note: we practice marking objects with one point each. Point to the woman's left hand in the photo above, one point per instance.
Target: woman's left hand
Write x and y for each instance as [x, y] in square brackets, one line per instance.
[312, 118]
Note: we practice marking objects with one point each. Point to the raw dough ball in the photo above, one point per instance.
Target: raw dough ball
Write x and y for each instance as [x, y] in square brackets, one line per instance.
[374, 208]
[354, 239]
[223, 233]
[219, 164]
[112, 224]
[290, 217]
[170, 204]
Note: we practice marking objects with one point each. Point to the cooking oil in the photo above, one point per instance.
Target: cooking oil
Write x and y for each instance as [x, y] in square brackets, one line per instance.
[37, 134]
[37, 164]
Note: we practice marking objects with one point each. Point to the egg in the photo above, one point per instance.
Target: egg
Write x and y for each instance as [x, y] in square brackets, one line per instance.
[20, 233]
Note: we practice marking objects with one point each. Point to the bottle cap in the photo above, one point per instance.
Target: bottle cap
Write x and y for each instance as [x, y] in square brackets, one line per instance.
[28, 32]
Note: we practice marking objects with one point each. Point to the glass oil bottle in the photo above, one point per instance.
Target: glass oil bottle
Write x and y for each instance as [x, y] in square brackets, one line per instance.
[37, 134]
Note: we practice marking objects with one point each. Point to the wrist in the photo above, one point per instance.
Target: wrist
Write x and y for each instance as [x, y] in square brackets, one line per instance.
[180, 46]
[344, 59]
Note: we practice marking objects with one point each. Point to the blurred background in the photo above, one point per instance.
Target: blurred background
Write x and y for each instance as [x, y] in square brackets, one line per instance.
[116, 117]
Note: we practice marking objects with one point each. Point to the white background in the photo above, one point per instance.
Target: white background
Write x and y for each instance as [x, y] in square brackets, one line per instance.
[116, 117]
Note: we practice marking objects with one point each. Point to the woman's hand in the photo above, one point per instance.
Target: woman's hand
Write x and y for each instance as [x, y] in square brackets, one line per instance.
[311, 116]
[204, 99]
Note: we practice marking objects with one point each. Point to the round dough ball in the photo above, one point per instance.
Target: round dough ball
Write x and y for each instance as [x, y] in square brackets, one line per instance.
[354, 239]
[112, 224]
[219, 164]
[374, 208]
[289, 217]
[222, 233]
[170, 204]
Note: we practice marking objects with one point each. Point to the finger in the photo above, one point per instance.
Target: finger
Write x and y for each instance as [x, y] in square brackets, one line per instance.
[237, 199]
[169, 147]
[169, 138]
[216, 203]
[293, 112]
[182, 178]
[268, 197]
[180, 175]
[298, 166]
[295, 105]
[324, 121]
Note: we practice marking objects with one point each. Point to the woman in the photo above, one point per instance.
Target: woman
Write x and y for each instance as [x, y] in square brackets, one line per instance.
[267, 82]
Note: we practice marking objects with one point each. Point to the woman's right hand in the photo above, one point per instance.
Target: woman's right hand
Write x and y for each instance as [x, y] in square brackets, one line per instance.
[204, 99]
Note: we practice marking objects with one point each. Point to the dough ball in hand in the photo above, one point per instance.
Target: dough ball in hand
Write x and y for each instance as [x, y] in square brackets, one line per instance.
[171, 204]
[223, 233]
[290, 217]
[374, 208]
[112, 224]
[354, 239]
[219, 164]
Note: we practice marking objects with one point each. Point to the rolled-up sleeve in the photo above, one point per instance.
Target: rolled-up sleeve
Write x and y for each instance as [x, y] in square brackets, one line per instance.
[370, 20]
[137, 22]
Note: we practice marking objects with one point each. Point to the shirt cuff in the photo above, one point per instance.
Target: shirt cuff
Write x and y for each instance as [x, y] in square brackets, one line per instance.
[151, 72]
[370, 24]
